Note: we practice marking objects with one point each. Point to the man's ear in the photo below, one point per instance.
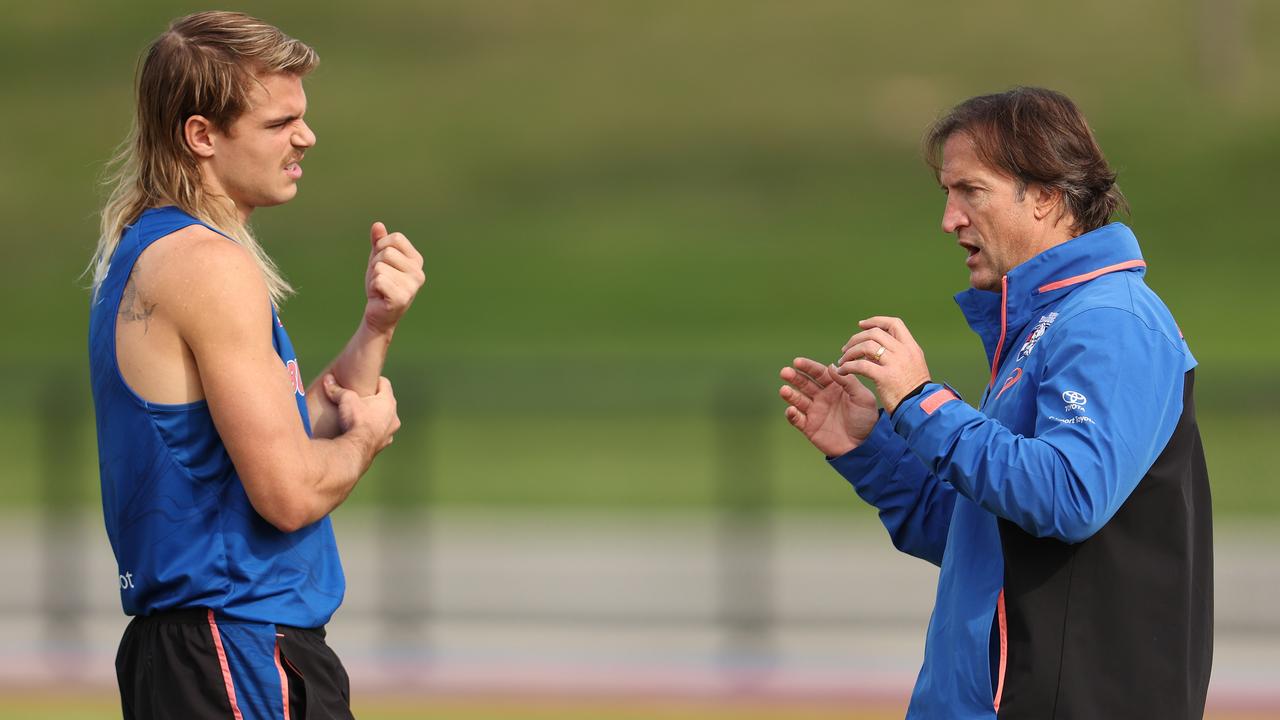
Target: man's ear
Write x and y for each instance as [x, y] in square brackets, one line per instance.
[198, 132]
[1045, 200]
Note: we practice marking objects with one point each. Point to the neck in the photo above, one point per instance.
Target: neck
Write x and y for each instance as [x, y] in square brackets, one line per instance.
[216, 193]
[1050, 234]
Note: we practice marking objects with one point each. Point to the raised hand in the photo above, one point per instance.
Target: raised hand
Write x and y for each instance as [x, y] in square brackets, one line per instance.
[886, 354]
[835, 417]
[392, 279]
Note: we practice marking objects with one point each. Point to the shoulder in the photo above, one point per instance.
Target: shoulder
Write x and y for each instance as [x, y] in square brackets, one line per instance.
[197, 259]
[1118, 301]
[1116, 316]
[201, 277]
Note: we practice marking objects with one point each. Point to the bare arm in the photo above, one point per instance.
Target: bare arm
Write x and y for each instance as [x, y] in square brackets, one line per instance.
[222, 311]
[392, 279]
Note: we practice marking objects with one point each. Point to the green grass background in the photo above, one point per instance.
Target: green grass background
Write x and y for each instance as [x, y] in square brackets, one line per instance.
[634, 213]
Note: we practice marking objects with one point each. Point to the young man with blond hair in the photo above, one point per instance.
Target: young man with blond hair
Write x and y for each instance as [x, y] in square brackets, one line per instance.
[219, 468]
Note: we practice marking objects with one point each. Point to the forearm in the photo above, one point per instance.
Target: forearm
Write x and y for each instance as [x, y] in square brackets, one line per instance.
[356, 368]
[1064, 484]
[1024, 480]
[914, 506]
[308, 487]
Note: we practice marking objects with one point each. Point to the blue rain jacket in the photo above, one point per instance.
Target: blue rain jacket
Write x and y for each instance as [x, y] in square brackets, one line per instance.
[1086, 389]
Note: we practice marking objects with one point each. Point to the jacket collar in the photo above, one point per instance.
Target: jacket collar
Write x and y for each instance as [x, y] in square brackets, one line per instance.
[997, 317]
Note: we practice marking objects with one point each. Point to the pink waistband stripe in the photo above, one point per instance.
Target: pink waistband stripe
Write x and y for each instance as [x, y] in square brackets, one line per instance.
[284, 680]
[226, 669]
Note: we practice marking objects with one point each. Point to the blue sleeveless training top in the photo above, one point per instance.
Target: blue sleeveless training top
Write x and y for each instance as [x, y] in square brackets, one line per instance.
[179, 521]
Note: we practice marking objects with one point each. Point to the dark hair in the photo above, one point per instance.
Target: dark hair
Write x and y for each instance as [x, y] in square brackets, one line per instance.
[1036, 135]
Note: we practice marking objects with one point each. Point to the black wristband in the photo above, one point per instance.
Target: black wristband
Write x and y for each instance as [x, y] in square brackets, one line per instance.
[919, 389]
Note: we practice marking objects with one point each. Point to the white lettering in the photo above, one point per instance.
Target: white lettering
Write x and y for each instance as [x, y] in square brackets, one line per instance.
[126, 581]
[1075, 420]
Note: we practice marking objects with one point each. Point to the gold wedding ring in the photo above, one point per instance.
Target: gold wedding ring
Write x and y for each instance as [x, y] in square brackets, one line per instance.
[878, 355]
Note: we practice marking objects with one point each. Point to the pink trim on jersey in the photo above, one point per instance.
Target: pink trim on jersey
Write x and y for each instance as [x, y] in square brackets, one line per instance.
[937, 400]
[1091, 275]
[226, 669]
[1004, 648]
[284, 680]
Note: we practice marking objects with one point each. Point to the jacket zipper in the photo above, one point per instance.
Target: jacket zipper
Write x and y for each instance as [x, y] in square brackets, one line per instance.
[1004, 305]
[995, 367]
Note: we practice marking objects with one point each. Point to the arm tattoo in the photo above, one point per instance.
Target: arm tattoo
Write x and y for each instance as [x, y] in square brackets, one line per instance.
[134, 308]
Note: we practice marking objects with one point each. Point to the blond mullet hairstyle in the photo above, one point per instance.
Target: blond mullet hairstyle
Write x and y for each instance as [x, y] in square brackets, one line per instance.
[204, 64]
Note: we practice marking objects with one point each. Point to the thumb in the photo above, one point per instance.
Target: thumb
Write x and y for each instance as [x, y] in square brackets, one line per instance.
[376, 232]
[848, 382]
[333, 390]
[384, 385]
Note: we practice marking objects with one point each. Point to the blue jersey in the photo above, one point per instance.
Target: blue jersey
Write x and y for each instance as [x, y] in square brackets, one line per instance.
[181, 526]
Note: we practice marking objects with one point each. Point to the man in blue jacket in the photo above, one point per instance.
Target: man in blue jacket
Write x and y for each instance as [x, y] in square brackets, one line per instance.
[1070, 512]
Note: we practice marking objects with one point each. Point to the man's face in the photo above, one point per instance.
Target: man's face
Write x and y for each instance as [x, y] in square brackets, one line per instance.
[256, 161]
[992, 217]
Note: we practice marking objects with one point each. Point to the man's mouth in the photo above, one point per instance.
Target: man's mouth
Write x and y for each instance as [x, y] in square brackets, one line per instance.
[973, 251]
[293, 170]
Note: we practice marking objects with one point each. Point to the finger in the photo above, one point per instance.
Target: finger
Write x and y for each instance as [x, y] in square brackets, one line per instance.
[879, 335]
[410, 271]
[393, 288]
[860, 394]
[796, 418]
[892, 325]
[377, 231]
[378, 286]
[815, 370]
[335, 392]
[795, 398]
[871, 350]
[394, 257]
[801, 381]
[847, 382]
[386, 279]
[384, 385]
[401, 243]
[865, 368]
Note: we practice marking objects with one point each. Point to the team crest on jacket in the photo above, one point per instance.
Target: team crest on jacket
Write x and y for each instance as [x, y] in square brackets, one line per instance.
[1036, 333]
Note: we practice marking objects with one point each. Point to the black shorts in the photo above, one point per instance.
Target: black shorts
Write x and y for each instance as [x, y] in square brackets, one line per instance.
[194, 664]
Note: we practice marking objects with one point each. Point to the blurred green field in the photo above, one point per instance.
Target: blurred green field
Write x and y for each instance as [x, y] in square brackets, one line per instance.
[636, 461]
[633, 210]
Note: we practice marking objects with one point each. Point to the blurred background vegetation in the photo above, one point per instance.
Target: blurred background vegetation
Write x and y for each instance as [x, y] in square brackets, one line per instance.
[635, 213]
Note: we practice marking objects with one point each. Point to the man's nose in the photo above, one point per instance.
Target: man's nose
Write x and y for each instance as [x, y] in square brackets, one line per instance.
[953, 218]
[303, 136]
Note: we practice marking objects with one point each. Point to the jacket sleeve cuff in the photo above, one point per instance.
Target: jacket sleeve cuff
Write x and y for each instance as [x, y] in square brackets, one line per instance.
[914, 411]
[875, 458]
